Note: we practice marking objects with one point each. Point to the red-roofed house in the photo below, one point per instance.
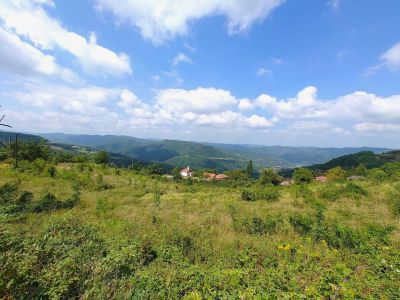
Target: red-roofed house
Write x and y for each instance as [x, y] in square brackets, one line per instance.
[187, 172]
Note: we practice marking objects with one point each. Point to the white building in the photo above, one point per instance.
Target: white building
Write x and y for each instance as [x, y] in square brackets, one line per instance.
[187, 172]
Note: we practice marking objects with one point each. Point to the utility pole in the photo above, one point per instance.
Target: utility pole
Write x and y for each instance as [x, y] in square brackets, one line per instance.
[16, 150]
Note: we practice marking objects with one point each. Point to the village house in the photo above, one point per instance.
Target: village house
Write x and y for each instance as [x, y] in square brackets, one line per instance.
[321, 178]
[213, 176]
[187, 172]
[287, 182]
[221, 177]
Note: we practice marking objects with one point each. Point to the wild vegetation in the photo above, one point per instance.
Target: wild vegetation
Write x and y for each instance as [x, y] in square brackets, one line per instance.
[92, 231]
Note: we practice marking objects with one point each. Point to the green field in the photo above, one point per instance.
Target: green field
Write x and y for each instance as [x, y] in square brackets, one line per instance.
[94, 232]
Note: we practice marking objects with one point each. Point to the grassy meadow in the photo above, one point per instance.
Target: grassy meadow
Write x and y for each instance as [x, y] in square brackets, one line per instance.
[87, 231]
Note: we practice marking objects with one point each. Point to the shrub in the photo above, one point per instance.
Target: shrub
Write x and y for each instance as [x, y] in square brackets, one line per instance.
[330, 192]
[38, 165]
[301, 223]
[248, 195]
[101, 157]
[50, 202]
[51, 170]
[8, 193]
[393, 199]
[302, 191]
[334, 192]
[336, 173]
[259, 226]
[47, 202]
[303, 175]
[269, 177]
[266, 194]
[353, 190]
[378, 174]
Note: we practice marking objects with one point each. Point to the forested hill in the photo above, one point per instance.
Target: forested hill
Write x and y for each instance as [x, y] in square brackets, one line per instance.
[6, 135]
[205, 155]
[366, 158]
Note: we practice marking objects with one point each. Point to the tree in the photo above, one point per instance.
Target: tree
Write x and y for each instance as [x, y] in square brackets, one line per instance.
[101, 157]
[336, 173]
[176, 173]
[237, 174]
[249, 169]
[269, 177]
[303, 175]
[2, 124]
[361, 170]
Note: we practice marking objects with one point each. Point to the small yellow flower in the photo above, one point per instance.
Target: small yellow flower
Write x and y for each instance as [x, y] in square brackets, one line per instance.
[287, 247]
[280, 247]
[324, 243]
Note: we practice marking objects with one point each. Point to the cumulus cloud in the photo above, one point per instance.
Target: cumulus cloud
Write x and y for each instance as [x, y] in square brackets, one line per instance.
[18, 57]
[88, 100]
[200, 100]
[162, 20]
[179, 110]
[29, 20]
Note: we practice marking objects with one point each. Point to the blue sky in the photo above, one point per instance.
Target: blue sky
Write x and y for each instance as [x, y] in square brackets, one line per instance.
[294, 72]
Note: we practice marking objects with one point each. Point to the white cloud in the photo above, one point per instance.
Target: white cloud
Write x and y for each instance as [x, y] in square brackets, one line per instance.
[160, 20]
[181, 58]
[391, 58]
[29, 20]
[305, 105]
[89, 100]
[261, 72]
[245, 104]
[179, 111]
[377, 127]
[200, 100]
[335, 4]
[18, 57]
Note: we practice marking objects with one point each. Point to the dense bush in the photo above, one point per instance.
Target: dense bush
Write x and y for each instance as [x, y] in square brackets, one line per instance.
[336, 173]
[258, 226]
[269, 177]
[266, 194]
[393, 199]
[333, 192]
[303, 175]
[12, 200]
[56, 264]
[49, 201]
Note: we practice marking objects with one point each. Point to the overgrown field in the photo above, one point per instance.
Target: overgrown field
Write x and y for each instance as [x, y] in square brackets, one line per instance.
[94, 232]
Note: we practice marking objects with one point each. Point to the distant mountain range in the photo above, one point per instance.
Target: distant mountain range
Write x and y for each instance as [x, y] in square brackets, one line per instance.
[207, 155]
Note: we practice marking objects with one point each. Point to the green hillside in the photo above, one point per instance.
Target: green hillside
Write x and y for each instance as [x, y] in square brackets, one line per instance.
[281, 156]
[202, 155]
[366, 158]
[6, 135]
[178, 153]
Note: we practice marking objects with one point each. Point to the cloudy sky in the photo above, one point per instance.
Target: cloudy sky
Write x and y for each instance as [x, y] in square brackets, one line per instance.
[294, 72]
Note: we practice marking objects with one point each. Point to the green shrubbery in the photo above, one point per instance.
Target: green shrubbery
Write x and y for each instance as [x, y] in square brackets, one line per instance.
[333, 192]
[266, 194]
[258, 226]
[13, 200]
